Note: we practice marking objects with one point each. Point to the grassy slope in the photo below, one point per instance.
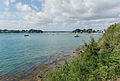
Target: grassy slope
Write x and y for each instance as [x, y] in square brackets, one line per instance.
[100, 60]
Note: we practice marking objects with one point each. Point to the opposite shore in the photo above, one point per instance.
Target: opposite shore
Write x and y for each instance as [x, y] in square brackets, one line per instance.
[41, 31]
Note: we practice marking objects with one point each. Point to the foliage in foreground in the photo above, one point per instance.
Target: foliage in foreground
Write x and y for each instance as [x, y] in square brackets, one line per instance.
[100, 60]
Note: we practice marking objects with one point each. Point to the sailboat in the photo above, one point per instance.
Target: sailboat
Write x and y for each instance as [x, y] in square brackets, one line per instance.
[76, 35]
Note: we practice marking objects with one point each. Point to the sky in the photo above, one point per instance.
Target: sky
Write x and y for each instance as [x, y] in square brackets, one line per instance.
[58, 14]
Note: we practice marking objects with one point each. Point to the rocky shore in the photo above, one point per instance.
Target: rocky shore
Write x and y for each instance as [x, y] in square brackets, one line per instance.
[37, 74]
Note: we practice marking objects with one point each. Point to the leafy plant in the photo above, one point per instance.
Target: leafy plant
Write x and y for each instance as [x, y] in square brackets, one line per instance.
[100, 60]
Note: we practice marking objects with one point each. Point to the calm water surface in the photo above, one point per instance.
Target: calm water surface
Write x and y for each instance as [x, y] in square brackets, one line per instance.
[19, 53]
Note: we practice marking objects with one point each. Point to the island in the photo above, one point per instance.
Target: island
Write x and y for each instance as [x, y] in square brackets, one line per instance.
[21, 31]
[41, 31]
[87, 31]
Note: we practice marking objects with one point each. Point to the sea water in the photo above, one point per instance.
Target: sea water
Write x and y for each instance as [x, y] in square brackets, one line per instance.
[19, 53]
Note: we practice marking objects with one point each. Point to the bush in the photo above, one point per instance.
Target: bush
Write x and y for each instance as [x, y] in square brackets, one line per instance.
[100, 60]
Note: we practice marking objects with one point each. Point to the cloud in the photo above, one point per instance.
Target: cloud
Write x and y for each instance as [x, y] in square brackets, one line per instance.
[15, 20]
[71, 14]
[23, 7]
[35, 7]
[7, 3]
[78, 10]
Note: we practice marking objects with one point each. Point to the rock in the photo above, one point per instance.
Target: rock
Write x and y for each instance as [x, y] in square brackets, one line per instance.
[73, 52]
[0, 77]
[118, 79]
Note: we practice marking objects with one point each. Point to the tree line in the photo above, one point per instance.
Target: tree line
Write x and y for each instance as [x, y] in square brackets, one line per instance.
[21, 31]
[87, 31]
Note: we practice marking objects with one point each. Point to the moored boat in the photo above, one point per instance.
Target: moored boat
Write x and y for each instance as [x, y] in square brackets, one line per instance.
[26, 35]
[76, 35]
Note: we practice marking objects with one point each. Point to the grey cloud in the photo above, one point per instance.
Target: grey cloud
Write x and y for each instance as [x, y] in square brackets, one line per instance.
[81, 12]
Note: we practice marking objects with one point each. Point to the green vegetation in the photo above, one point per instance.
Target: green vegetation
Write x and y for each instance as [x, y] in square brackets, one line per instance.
[99, 61]
[87, 31]
[21, 31]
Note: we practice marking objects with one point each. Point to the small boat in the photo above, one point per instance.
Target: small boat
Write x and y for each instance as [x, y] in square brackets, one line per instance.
[76, 35]
[26, 35]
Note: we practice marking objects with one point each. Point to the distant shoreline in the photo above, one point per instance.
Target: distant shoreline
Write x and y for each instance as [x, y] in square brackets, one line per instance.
[41, 31]
[58, 32]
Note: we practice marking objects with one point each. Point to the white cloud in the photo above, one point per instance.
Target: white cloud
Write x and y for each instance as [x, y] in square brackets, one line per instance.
[23, 7]
[35, 7]
[77, 10]
[71, 13]
[7, 3]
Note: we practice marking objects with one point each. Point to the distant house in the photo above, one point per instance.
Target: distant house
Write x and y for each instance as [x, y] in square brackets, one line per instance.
[99, 31]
